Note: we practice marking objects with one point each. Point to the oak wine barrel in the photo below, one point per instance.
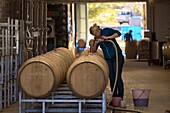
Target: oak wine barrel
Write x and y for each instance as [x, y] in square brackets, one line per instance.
[87, 76]
[69, 57]
[131, 49]
[39, 76]
[81, 43]
[99, 52]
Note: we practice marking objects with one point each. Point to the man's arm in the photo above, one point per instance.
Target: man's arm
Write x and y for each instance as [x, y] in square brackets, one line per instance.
[95, 46]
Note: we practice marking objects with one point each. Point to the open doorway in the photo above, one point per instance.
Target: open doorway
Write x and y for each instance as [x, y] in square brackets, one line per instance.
[123, 16]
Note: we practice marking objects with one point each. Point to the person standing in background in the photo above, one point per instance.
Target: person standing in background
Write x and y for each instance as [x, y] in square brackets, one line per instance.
[128, 36]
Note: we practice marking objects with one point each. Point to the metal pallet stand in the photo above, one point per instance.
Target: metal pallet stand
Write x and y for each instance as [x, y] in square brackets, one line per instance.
[62, 101]
[9, 47]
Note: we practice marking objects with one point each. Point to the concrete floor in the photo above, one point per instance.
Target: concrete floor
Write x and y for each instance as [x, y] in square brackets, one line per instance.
[137, 74]
[154, 77]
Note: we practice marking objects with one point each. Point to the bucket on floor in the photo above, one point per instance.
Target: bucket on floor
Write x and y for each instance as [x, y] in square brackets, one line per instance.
[116, 101]
[141, 97]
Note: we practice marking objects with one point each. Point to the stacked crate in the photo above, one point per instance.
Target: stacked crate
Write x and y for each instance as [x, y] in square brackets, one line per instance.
[9, 53]
[143, 49]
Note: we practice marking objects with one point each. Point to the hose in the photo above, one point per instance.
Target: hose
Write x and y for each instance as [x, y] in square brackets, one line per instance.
[116, 75]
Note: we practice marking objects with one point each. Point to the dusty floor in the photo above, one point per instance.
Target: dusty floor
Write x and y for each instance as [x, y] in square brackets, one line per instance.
[137, 74]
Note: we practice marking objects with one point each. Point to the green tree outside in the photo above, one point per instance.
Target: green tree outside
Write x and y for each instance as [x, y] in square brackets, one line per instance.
[105, 13]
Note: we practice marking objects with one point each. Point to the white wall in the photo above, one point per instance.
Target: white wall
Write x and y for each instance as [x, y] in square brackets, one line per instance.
[161, 17]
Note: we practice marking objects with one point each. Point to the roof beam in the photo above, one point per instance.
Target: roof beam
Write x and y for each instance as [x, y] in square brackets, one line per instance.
[89, 1]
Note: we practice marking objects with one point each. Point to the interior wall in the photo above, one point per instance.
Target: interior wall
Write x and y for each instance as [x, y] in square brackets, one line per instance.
[161, 19]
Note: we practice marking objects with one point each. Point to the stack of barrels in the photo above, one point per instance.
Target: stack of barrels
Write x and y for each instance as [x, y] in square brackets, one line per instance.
[86, 76]
[131, 49]
[41, 75]
[143, 48]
